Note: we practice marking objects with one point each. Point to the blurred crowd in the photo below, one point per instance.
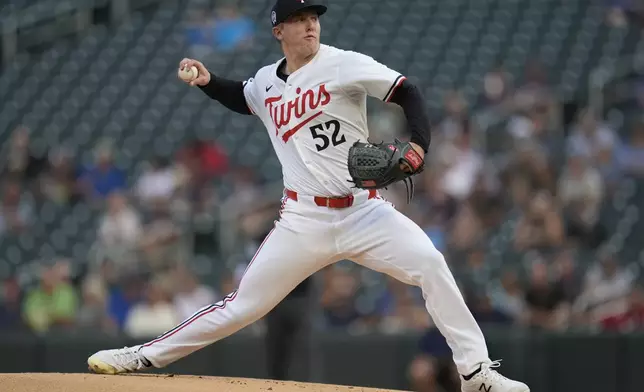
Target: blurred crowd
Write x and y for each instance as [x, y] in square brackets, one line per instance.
[137, 277]
[546, 177]
[221, 29]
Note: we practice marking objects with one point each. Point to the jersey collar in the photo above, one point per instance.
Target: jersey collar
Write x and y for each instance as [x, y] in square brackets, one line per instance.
[283, 59]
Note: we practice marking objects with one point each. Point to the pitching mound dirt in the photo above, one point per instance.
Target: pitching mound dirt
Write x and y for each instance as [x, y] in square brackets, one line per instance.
[57, 382]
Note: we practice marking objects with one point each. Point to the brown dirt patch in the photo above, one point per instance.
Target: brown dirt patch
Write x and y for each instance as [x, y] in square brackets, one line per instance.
[60, 382]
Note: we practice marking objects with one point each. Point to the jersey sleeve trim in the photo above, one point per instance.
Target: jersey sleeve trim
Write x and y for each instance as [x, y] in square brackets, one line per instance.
[393, 87]
[248, 103]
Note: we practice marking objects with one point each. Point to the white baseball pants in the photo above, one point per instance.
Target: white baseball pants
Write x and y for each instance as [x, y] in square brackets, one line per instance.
[307, 238]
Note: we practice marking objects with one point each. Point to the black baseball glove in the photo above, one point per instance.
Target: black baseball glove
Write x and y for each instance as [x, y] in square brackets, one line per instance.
[376, 166]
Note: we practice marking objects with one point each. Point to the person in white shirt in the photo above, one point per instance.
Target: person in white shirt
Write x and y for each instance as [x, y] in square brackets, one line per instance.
[190, 295]
[313, 102]
[157, 182]
[120, 231]
[153, 315]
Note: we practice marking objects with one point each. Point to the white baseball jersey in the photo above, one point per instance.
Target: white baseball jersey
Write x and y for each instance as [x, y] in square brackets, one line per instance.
[315, 117]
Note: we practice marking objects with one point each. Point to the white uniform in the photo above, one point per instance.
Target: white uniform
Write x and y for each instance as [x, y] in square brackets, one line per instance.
[312, 121]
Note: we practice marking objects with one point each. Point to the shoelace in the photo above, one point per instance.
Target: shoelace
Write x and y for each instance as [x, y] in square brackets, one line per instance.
[127, 357]
[493, 374]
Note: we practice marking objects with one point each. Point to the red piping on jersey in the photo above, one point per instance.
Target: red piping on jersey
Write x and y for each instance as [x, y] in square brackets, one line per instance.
[287, 135]
[221, 305]
[397, 84]
[194, 317]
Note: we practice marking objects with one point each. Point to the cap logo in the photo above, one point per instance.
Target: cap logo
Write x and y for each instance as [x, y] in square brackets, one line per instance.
[273, 17]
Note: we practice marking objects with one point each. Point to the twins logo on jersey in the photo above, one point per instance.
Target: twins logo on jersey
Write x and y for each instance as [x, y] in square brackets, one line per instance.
[307, 102]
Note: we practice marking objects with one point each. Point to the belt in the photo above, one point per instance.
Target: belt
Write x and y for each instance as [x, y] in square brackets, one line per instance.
[330, 202]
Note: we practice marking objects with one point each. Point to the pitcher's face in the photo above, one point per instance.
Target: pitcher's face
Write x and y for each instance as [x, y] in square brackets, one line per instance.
[300, 33]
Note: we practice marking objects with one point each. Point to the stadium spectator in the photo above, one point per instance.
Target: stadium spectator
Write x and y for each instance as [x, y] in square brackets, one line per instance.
[21, 163]
[632, 319]
[158, 181]
[154, 315]
[120, 231]
[631, 154]
[198, 32]
[540, 226]
[432, 368]
[529, 168]
[580, 193]
[92, 314]
[431, 196]
[123, 294]
[190, 295]
[616, 17]
[53, 303]
[497, 88]
[509, 297]
[232, 30]
[246, 200]
[535, 89]
[605, 292]
[529, 125]
[97, 181]
[58, 182]
[203, 161]
[567, 274]
[455, 118]
[337, 298]
[160, 241]
[16, 210]
[591, 138]
[545, 300]
[10, 306]
[434, 228]
[467, 228]
[475, 263]
[462, 164]
[401, 309]
[485, 312]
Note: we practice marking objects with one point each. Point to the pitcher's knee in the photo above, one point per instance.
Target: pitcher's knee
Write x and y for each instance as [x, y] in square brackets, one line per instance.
[432, 258]
[247, 309]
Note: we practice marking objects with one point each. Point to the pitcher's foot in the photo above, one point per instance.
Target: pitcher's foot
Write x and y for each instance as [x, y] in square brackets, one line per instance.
[489, 380]
[121, 360]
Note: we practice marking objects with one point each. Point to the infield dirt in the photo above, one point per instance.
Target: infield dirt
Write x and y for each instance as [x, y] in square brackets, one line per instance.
[64, 382]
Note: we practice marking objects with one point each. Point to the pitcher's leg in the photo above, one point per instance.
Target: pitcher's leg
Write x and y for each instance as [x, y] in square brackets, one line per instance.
[402, 250]
[279, 265]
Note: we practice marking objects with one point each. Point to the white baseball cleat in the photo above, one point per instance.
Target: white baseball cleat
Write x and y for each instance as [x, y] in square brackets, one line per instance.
[489, 380]
[122, 360]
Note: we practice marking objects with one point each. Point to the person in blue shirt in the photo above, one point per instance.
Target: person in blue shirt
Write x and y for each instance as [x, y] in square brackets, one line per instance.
[102, 178]
[232, 30]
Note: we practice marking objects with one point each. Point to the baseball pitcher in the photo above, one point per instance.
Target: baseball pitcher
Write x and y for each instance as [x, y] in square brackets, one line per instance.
[312, 103]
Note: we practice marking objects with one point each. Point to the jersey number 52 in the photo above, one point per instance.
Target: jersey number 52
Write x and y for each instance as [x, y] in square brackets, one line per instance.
[336, 137]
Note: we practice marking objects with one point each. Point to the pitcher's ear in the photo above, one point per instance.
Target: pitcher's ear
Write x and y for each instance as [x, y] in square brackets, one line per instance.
[277, 32]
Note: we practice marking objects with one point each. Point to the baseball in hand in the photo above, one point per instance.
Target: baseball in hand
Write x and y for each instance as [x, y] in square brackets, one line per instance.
[188, 75]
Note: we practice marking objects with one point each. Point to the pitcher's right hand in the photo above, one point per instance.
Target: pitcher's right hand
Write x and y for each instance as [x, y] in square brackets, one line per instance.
[204, 76]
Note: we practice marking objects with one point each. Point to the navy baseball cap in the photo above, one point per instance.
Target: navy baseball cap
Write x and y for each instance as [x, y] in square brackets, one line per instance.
[285, 8]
